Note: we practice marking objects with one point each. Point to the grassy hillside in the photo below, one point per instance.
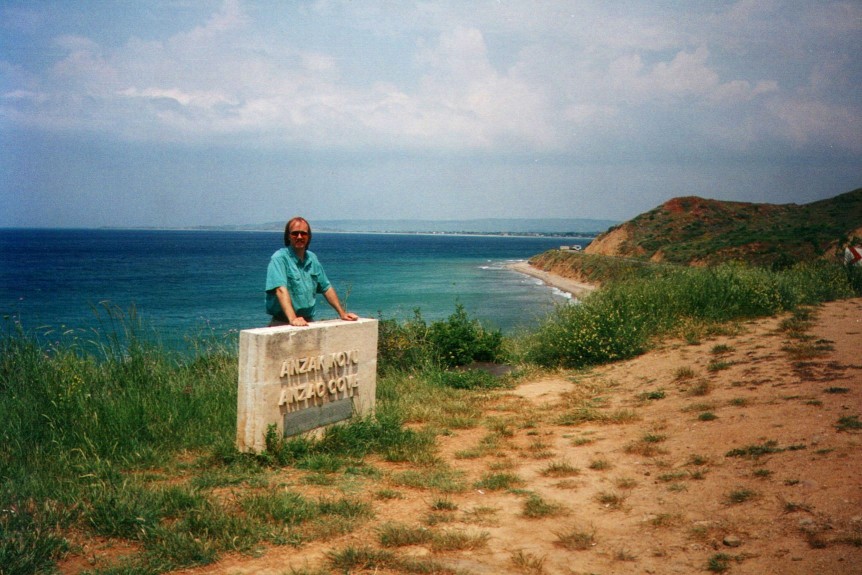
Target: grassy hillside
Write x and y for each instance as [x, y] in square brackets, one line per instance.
[693, 230]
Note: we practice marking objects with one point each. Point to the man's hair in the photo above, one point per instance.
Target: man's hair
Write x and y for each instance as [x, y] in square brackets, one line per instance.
[287, 229]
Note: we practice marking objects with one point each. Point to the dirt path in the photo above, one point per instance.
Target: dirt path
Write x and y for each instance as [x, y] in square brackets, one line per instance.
[629, 468]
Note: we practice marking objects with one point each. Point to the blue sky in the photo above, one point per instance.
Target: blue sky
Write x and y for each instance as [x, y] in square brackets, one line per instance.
[182, 112]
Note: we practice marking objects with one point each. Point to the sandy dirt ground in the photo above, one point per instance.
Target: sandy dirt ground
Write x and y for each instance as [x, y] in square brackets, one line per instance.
[737, 453]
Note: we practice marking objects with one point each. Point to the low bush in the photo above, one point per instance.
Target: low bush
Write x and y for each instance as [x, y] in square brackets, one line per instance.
[460, 340]
[621, 319]
[599, 330]
[456, 341]
[403, 345]
[854, 278]
[815, 282]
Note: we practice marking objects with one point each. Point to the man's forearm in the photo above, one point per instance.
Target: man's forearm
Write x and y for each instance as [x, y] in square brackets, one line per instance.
[283, 297]
[332, 299]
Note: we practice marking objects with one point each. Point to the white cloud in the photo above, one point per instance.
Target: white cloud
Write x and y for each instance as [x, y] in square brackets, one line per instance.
[230, 17]
[813, 122]
[471, 98]
[492, 76]
[741, 91]
[195, 99]
[84, 68]
[686, 74]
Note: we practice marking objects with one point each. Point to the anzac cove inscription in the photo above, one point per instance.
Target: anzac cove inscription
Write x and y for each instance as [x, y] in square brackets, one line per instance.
[303, 378]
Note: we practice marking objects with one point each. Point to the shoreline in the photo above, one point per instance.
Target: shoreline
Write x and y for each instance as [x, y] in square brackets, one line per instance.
[572, 287]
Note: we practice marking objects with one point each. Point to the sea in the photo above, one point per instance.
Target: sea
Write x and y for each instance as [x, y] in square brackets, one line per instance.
[179, 286]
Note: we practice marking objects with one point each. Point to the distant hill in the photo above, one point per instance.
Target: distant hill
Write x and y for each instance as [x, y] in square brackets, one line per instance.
[557, 226]
[693, 230]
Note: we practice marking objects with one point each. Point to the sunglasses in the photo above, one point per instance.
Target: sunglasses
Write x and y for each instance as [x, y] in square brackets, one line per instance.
[298, 234]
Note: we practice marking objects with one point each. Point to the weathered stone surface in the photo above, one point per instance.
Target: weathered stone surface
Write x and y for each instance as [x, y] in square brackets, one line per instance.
[297, 378]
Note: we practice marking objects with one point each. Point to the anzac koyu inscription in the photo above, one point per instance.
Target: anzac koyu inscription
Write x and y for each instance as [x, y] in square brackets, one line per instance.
[319, 376]
[304, 378]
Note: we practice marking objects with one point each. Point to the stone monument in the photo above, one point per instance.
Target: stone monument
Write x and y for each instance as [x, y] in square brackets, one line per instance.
[301, 379]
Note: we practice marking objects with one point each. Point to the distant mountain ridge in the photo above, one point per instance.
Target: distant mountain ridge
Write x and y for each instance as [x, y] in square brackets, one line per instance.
[694, 230]
[562, 226]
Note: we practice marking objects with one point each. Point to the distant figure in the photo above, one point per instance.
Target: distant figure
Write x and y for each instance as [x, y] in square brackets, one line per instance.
[853, 255]
[295, 277]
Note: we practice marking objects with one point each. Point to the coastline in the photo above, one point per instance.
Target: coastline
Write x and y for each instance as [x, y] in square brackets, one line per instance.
[575, 288]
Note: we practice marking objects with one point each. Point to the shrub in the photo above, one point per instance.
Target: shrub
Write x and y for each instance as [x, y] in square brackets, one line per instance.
[460, 340]
[603, 328]
[854, 278]
[403, 346]
[813, 282]
[415, 345]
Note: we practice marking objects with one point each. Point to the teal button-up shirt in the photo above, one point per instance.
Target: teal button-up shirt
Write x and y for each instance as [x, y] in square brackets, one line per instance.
[303, 279]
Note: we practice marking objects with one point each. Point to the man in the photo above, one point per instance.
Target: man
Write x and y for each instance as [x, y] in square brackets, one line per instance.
[295, 277]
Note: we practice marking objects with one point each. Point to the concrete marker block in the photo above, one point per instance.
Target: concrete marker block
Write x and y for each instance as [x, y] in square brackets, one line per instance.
[286, 371]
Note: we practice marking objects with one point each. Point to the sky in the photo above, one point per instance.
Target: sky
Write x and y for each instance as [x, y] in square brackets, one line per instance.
[209, 112]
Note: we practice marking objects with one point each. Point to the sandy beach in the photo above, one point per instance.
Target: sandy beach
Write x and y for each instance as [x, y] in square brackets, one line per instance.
[570, 286]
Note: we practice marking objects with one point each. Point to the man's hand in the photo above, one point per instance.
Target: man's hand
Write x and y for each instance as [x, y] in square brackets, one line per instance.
[349, 316]
[298, 321]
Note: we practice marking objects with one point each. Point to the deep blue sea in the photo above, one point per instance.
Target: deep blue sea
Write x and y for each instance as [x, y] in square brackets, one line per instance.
[183, 284]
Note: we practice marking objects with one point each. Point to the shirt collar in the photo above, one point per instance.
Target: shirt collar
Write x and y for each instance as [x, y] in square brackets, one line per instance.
[295, 257]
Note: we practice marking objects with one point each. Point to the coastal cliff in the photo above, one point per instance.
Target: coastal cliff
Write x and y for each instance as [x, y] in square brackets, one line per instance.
[697, 231]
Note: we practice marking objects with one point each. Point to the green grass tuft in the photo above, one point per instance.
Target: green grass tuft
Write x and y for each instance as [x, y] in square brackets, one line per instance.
[499, 481]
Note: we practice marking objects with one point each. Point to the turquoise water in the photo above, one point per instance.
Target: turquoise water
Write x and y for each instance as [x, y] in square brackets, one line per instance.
[183, 283]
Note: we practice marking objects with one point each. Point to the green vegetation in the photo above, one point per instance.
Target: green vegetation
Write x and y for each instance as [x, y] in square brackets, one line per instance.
[719, 563]
[396, 535]
[692, 229]
[367, 559]
[457, 341]
[610, 499]
[393, 535]
[597, 269]
[740, 495]
[93, 429]
[848, 422]
[116, 437]
[535, 507]
[560, 469]
[756, 451]
[576, 539]
[528, 563]
[647, 446]
[499, 481]
[623, 318]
